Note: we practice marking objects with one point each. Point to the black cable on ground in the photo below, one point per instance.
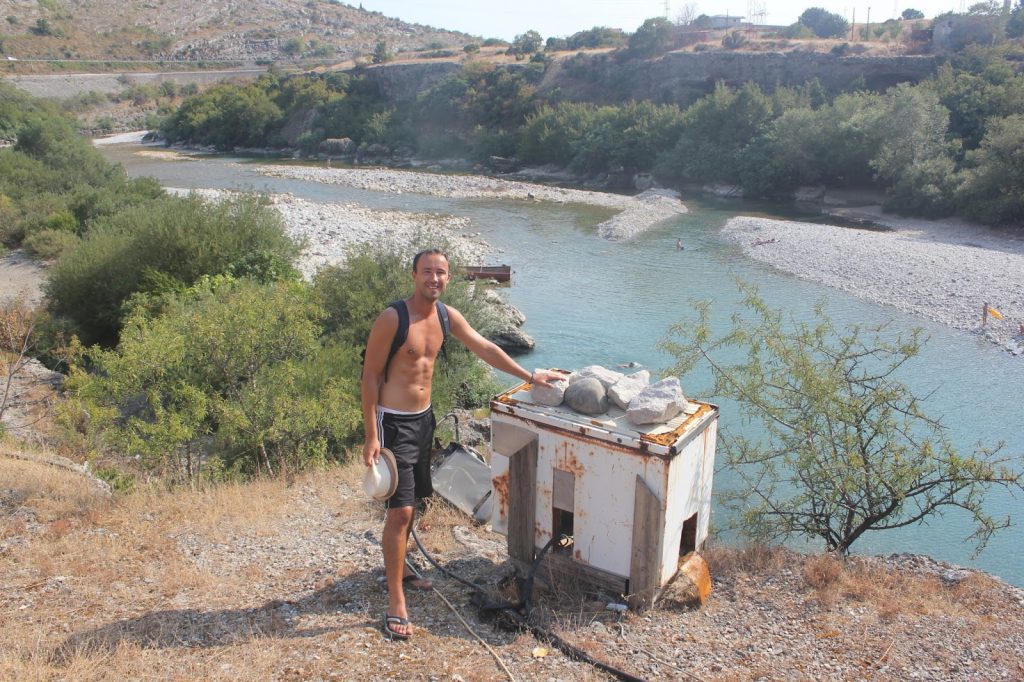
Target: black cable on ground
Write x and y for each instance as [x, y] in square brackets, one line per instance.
[516, 611]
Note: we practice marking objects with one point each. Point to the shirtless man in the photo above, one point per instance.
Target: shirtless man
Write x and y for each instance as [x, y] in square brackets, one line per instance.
[397, 412]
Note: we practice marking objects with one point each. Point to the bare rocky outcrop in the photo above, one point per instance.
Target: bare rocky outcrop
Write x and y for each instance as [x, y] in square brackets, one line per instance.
[677, 76]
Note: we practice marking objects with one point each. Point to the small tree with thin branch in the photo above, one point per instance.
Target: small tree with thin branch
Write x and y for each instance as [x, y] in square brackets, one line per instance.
[846, 448]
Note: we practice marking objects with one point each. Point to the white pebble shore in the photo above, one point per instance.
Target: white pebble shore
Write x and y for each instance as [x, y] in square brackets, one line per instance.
[635, 214]
[940, 270]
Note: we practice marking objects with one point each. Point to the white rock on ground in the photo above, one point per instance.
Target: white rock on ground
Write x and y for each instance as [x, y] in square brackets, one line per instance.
[940, 270]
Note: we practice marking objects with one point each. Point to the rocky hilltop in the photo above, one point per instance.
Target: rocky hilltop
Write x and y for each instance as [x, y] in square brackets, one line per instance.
[212, 30]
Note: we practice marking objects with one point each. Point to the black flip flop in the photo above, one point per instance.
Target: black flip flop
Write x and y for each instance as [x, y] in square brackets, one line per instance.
[392, 634]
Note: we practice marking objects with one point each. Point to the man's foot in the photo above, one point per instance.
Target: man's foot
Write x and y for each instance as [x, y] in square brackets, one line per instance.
[396, 627]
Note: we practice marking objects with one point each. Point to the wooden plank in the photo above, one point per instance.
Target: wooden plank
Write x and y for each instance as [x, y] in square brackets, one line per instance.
[645, 554]
[522, 503]
[580, 578]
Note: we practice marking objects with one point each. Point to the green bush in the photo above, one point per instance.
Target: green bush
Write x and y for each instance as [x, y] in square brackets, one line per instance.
[183, 238]
[230, 370]
[49, 244]
[734, 40]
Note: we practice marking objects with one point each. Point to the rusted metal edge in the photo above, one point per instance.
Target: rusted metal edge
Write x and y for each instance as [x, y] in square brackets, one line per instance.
[668, 439]
[582, 436]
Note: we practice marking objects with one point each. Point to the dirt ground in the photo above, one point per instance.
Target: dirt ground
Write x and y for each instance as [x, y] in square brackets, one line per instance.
[21, 278]
[281, 580]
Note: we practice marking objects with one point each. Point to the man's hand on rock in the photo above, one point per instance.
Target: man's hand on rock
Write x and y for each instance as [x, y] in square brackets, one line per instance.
[543, 377]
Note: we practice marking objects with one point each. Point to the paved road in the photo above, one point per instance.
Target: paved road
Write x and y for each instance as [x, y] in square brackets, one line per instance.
[65, 85]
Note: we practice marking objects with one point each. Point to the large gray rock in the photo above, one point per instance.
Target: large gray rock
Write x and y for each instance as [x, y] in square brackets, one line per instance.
[513, 341]
[553, 396]
[657, 403]
[587, 396]
[337, 146]
[606, 376]
[628, 387]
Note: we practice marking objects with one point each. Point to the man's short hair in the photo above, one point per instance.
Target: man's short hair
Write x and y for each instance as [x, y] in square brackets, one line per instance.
[427, 252]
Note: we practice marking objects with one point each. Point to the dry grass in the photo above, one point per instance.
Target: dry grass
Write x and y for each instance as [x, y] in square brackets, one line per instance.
[748, 560]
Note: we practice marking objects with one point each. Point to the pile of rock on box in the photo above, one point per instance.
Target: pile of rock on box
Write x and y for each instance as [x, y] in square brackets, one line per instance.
[594, 389]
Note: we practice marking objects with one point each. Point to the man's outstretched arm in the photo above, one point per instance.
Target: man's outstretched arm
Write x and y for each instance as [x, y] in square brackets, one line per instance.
[489, 352]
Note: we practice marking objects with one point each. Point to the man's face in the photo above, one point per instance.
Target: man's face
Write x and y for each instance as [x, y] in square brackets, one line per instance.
[431, 275]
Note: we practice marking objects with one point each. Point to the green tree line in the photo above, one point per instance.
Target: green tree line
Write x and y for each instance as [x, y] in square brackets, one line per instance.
[941, 147]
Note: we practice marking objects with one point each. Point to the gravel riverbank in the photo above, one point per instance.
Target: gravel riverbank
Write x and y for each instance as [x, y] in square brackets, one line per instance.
[328, 230]
[634, 214]
[941, 270]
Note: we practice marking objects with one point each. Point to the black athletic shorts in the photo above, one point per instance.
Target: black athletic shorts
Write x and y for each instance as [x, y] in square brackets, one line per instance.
[410, 437]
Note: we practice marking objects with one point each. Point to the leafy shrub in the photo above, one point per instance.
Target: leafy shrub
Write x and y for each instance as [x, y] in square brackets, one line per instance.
[823, 23]
[50, 244]
[215, 374]
[797, 31]
[184, 238]
[734, 40]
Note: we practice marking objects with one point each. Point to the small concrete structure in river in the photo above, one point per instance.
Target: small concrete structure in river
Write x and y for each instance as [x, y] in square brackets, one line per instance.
[633, 499]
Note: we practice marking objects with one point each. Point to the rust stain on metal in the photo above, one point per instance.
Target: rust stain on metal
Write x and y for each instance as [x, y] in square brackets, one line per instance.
[500, 484]
[506, 399]
[670, 437]
[578, 555]
[572, 465]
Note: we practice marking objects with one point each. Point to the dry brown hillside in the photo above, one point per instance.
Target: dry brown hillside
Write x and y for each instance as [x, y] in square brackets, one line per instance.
[280, 580]
[212, 29]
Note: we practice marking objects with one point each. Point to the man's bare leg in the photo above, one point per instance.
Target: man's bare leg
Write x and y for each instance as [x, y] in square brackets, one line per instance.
[396, 532]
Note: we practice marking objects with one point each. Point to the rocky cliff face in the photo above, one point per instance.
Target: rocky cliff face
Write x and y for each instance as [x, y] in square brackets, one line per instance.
[680, 77]
[405, 81]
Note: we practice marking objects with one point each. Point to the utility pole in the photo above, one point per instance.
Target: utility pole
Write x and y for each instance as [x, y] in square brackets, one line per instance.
[853, 25]
[867, 26]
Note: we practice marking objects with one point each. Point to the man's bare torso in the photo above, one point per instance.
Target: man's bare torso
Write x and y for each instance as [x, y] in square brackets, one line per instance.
[412, 368]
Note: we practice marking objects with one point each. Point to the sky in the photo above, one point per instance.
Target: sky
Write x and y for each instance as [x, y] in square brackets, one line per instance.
[509, 18]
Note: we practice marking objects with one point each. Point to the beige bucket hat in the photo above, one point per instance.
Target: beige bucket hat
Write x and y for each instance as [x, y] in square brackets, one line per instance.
[381, 479]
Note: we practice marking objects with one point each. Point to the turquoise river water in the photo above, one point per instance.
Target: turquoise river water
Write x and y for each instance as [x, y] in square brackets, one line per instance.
[590, 301]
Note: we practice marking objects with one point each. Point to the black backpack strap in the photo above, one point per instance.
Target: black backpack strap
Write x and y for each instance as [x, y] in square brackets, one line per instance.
[401, 334]
[446, 324]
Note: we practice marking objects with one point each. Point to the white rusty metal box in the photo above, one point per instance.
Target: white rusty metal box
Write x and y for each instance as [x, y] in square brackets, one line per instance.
[633, 499]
